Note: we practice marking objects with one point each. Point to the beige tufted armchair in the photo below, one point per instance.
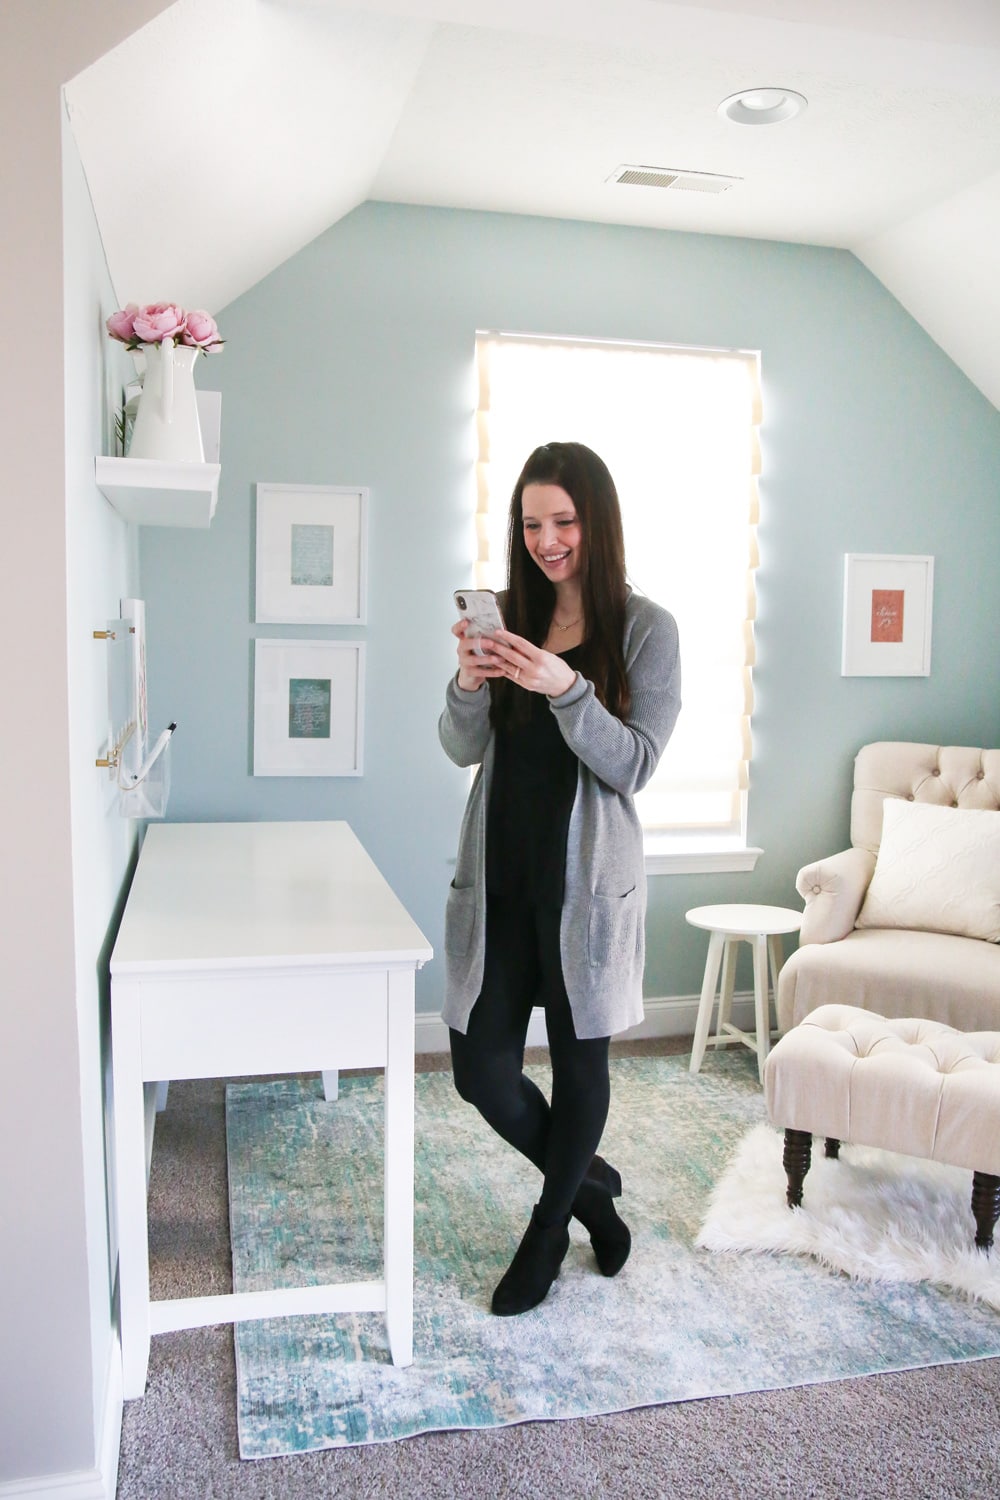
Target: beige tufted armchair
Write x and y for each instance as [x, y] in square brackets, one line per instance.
[894, 971]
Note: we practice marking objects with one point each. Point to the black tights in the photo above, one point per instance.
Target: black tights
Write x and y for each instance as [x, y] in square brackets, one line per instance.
[522, 969]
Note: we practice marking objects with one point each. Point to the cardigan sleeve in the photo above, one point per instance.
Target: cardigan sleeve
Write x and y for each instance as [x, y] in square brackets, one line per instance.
[625, 755]
[464, 726]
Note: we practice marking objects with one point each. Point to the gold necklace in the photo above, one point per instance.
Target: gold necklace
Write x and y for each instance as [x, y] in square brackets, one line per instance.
[569, 626]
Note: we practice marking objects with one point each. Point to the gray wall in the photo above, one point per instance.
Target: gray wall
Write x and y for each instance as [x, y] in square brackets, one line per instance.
[353, 364]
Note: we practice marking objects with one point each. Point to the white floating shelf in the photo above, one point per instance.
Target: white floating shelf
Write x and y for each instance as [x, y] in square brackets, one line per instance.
[160, 494]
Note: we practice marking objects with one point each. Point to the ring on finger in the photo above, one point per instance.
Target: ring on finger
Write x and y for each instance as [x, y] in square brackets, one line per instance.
[517, 675]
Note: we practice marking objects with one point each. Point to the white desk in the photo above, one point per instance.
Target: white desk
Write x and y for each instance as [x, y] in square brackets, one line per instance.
[259, 948]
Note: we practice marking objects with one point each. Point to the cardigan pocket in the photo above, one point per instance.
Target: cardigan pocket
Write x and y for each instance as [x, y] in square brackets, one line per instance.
[611, 936]
[459, 920]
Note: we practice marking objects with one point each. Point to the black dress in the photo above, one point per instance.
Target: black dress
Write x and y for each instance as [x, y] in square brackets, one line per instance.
[531, 799]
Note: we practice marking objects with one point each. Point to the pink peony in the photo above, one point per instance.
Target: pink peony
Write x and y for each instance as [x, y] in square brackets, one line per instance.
[158, 321]
[120, 324]
[202, 331]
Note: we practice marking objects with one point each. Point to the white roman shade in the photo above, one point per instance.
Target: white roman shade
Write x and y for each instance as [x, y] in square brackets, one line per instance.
[679, 430]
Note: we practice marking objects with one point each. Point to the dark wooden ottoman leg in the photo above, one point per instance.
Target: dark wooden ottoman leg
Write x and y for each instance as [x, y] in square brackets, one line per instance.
[833, 1148]
[795, 1159]
[985, 1207]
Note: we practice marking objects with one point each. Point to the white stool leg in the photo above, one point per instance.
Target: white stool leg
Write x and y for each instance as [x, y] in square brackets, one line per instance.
[760, 1001]
[331, 1084]
[712, 963]
[776, 955]
[729, 955]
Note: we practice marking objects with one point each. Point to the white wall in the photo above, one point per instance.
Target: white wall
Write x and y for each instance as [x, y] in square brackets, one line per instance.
[961, 312]
[43, 1290]
[57, 1339]
[102, 568]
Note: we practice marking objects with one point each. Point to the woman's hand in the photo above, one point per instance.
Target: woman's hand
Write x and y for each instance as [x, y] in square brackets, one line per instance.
[529, 666]
[474, 666]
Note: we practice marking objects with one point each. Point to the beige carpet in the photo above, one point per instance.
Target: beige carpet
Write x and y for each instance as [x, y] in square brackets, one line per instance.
[927, 1435]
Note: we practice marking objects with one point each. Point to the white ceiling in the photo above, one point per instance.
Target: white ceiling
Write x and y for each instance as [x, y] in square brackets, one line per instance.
[226, 134]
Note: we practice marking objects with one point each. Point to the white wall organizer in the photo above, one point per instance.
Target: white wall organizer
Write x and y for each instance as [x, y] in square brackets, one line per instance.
[141, 774]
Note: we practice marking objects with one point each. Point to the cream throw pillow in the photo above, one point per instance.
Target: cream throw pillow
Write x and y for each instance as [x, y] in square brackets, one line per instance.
[938, 870]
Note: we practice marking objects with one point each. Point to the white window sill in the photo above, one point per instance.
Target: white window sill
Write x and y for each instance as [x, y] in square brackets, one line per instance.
[674, 857]
[673, 854]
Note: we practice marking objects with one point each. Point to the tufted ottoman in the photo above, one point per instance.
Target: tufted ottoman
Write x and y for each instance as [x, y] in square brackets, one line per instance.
[903, 1085]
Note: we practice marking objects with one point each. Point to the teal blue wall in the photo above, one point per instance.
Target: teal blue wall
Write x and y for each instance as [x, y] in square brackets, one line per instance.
[353, 364]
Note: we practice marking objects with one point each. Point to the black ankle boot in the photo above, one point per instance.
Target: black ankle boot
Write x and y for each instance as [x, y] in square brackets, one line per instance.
[593, 1206]
[534, 1268]
[605, 1175]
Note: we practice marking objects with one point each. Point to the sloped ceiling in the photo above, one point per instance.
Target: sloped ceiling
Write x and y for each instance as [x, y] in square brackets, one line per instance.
[226, 134]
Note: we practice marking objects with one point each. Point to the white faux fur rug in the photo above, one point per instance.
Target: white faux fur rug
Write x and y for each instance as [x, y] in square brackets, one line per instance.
[873, 1215]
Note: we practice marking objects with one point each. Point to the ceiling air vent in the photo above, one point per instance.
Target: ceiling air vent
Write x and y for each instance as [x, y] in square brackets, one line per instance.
[675, 178]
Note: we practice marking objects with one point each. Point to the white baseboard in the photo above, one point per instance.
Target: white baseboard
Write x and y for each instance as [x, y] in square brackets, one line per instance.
[81, 1484]
[666, 1016]
[100, 1483]
[111, 1425]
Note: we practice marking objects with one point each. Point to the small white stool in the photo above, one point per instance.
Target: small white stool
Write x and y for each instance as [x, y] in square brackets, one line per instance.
[760, 926]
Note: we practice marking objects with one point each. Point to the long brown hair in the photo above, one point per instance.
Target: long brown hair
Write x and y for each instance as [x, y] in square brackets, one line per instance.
[530, 598]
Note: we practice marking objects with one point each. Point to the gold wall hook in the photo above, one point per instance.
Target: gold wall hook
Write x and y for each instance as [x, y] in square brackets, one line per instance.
[110, 761]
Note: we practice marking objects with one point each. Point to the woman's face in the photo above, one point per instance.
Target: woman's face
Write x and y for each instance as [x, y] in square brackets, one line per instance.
[552, 531]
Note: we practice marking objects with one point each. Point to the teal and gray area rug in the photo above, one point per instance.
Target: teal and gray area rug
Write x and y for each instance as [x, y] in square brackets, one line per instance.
[680, 1321]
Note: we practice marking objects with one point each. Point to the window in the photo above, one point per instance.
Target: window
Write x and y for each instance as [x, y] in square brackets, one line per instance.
[678, 429]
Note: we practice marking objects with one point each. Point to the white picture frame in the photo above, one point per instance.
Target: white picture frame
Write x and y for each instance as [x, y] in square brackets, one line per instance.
[308, 715]
[311, 554]
[888, 603]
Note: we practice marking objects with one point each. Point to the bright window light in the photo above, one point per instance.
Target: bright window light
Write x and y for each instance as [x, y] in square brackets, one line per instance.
[677, 428]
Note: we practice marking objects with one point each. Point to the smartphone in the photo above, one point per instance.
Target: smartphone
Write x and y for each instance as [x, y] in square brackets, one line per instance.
[480, 608]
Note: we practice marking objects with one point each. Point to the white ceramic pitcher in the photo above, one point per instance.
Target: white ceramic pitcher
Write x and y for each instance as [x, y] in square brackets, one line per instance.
[166, 423]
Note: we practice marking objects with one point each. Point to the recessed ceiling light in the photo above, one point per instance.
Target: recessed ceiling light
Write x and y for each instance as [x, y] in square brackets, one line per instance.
[762, 106]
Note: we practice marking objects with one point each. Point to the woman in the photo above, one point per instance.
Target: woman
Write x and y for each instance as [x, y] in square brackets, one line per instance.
[567, 711]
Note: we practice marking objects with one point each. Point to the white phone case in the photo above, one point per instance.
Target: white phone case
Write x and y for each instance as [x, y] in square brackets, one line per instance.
[480, 608]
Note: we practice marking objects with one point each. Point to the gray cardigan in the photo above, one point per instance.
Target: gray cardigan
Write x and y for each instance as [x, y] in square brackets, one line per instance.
[602, 935]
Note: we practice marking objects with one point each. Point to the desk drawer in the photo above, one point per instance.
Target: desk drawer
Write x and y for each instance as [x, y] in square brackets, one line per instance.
[215, 1027]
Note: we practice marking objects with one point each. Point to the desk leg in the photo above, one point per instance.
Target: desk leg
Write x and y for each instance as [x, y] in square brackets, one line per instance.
[398, 1248]
[331, 1084]
[150, 1106]
[130, 1188]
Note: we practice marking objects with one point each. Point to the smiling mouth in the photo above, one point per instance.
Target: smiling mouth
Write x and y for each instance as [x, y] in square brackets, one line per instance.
[557, 557]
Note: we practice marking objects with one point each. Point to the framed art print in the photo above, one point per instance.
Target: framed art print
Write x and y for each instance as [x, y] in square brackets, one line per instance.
[308, 708]
[887, 615]
[311, 554]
